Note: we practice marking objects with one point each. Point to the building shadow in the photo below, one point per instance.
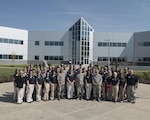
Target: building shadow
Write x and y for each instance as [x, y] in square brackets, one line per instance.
[7, 97]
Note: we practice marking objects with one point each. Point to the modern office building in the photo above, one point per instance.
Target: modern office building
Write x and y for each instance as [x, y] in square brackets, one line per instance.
[79, 43]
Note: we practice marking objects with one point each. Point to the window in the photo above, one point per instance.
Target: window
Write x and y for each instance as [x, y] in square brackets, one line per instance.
[51, 58]
[36, 57]
[61, 43]
[21, 42]
[119, 44]
[15, 41]
[124, 45]
[99, 43]
[55, 57]
[56, 43]
[5, 40]
[46, 57]
[11, 41]
[20, 57]
[60, 57]
[52, 43]
[37, 42]
[1, 40]
[104, 43]
[5, 56]
[46, 42]
[0, 56]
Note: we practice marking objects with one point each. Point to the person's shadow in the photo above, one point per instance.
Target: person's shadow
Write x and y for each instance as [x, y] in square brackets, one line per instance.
[7, 97]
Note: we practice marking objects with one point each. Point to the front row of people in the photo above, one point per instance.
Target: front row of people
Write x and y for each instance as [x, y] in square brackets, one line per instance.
[60, 84]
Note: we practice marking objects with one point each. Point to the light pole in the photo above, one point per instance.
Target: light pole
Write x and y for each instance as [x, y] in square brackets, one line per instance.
[108, 43]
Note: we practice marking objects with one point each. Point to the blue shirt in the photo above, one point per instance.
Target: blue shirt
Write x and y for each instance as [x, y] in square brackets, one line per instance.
[31, 80]
[71, 77]
[88, 79]
[115, 81]
[47, 79]
[131, 79]
[53, 79]
[39, 79]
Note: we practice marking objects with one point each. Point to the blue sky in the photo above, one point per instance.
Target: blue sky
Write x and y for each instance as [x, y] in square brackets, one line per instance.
[59, 15]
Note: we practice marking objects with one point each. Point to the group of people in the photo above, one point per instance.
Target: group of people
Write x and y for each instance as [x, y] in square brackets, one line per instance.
[61, 82]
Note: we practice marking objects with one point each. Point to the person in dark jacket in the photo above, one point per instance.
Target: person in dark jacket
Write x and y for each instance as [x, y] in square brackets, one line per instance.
[20, 81]
[132, 85]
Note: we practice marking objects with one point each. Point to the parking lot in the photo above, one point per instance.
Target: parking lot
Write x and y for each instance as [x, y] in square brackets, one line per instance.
[73, 109]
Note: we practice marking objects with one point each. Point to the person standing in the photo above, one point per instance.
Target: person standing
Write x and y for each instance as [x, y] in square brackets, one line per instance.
[88, 84]
[132, 85]
[15, 78]
[39, 82]
[30, 87]
[109, 85]
[79, 84]
[53, 85]
[122, 87]
[20, 81]
[97, 83]
[70, 84]
[46, 87]
[61, 83]
[115, 87]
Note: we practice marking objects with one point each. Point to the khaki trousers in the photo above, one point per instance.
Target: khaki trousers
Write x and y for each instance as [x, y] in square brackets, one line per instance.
[96, 92]
[53, 91]
[121, 93]
[20, 94]
[38, 92]
[46, 91]
[30, 92]
[15, 92]
[88, 88]
[131, 93]
[115, 92]
[109, 92]
[70, 90]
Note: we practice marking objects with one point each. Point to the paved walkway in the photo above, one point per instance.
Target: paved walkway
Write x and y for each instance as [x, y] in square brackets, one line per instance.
[74, 110]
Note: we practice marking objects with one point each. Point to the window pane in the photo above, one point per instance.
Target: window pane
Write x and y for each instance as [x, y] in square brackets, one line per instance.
[11, 41]
[104, 43]
[51, 58]
[37, 42]
[1, 40]
[5, 56]
[51, 43]
[46, 42]
[55, 57]
[36, 57]
[20, 57]
[5, 40]
[46, 57]
[15, 41]
[56, 43]
[21, 42]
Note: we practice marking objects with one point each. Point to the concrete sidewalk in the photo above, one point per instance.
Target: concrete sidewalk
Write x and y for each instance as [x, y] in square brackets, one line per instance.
[72, 109]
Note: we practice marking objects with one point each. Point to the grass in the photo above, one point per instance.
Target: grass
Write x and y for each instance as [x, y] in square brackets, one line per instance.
[7, 71]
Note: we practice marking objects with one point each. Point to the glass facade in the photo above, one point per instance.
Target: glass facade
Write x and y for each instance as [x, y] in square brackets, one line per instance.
[80, 34]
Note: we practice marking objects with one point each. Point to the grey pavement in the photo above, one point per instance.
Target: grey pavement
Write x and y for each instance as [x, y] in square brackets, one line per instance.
[72, 109]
